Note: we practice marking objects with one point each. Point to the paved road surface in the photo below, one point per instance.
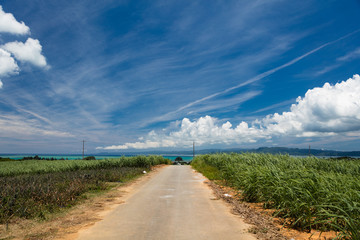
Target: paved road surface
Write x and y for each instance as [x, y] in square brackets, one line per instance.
[173, 204]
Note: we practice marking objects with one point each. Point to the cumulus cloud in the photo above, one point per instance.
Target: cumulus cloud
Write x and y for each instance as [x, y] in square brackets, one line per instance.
[8, 65]
[30, 51]
[205, 130]
[324, 111]
[136, 145]
[9, 24]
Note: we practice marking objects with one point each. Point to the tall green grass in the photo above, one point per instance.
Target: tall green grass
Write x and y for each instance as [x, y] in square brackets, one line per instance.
[310, 193]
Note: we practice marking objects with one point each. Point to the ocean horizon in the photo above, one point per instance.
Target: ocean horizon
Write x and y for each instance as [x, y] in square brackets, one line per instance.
[79, 156]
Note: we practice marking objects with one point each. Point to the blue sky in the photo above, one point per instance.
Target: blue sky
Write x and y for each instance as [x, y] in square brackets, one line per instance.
[134, 75]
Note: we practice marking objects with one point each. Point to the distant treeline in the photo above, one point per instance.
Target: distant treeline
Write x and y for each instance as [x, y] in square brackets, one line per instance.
[6, 159]
[36, 157]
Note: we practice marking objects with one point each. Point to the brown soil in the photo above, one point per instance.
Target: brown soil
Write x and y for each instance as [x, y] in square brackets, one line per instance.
[265, 226]
[66, 225]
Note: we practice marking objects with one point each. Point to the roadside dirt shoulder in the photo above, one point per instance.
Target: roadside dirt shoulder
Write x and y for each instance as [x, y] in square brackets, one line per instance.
[265, 226]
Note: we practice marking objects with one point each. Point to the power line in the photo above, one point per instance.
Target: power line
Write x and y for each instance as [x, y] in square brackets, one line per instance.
[83, 147]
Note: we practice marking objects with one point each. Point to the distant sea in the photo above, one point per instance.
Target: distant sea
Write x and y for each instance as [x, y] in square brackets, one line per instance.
[76, 157]
[187, 158]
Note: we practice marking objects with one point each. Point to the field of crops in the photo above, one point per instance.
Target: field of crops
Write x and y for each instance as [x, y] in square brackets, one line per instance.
[32, 189]
[12, 168]
[309, 193]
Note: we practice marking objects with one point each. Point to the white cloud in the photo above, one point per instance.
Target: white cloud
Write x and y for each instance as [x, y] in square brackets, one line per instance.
[350, 56]
[205, 130]
[8, 65]
[9, 24]
[30, 51]
[136, 145]
[325, 111]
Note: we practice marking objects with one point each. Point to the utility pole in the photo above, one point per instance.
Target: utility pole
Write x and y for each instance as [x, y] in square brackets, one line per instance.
[193, 150]
[309, 150]
[83, 149]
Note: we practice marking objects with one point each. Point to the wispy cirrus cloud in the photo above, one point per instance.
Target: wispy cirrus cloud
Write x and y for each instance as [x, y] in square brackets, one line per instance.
[329, 110]
[178, 64]
[172, 114]
[352, 55]
[274, 106]
[17, 127]
[121, 69]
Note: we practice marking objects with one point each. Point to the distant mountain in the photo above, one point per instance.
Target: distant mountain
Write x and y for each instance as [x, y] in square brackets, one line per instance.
[272, 150]
[303, 152]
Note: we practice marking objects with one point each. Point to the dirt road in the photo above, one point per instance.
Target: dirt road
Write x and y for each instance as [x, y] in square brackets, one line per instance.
[174, 204]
